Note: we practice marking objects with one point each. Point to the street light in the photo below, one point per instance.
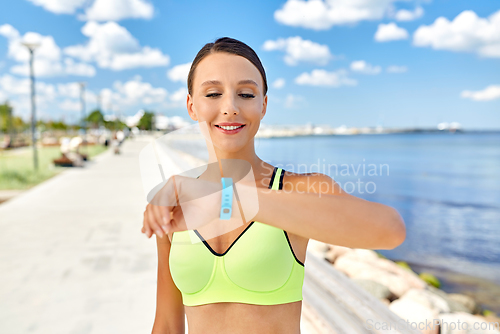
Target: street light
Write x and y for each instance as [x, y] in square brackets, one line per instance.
[82, 103]
[31, 47]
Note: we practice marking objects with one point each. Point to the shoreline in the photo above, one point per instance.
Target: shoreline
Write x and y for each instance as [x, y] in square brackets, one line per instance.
[484, 292]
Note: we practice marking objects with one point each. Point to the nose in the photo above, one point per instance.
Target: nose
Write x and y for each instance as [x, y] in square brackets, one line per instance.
[229, 106]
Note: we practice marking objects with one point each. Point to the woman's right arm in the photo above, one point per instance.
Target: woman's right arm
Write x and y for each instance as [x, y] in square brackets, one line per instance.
[169, 318]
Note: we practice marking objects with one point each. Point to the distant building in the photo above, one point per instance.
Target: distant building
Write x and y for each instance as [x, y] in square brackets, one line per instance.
[453, 126]
[169, 123]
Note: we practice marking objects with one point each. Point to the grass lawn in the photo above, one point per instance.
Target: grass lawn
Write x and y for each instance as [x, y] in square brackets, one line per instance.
[17, 168]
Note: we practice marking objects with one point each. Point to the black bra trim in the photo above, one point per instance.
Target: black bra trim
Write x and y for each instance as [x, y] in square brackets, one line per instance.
[251, 223]
[286, 234]
[227, 250]
[289, 244]
[272, 177]
[280, 187]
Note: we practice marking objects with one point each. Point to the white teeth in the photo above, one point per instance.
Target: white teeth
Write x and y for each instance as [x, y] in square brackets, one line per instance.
[230, 127]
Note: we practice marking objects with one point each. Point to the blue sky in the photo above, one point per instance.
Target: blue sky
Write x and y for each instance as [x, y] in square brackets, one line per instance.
[327, 62]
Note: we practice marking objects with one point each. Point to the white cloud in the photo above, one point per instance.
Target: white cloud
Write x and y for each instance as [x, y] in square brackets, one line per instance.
[179, 73]
[71, 89]
[70, 105]
[279, 83]
[100, 10]
[179, 95]
[136, 91]
[324, 78]
[135, 94]
[11, 85]
[17, 92]
[294, 101]
[62, 98]
[362, 66]
[407, 15]
[46, 68]
[41, 67]
[115, 10]
[491, 92]
[390, 32]
[466, 33]
[80, 69]
[397, 69]
[47, 48]
[112, 46]
[321, 15]
[60, 6]
[300, 50]
[9, 31]
[47, 56]
[147, 57]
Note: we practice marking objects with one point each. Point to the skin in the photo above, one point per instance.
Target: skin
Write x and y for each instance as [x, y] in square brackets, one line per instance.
[339, 218]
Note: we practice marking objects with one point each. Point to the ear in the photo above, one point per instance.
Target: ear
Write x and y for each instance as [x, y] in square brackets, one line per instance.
[264, 107]
[190, 108]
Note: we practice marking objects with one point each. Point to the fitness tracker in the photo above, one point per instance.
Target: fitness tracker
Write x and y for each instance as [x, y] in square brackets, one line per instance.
[227, 198]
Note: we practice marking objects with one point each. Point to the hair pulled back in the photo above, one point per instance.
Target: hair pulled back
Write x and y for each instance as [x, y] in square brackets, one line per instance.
[228, 45]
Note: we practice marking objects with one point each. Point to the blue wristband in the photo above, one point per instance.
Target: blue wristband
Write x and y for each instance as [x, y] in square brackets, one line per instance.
[227, 198]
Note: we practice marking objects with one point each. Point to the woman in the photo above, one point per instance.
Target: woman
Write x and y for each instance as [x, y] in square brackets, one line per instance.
[249, 280]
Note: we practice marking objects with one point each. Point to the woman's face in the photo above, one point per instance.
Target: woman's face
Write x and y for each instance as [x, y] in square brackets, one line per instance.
[228, 89]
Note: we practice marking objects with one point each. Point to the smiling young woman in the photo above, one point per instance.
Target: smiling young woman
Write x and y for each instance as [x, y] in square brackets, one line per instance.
[249, 280]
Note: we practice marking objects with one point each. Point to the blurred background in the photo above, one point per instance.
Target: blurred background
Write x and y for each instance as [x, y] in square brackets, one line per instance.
[398, 101]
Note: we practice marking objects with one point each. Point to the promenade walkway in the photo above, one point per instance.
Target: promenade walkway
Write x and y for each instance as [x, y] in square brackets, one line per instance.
[72, 257]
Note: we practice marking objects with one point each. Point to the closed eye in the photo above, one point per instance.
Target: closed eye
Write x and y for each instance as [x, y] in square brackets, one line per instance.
[246, 96]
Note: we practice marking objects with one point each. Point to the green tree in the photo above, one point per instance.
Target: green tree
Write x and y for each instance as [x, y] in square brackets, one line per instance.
[95, 119]
[59, 125]
[8, 122]
[146, 121]
[5, 117]
[115, 125]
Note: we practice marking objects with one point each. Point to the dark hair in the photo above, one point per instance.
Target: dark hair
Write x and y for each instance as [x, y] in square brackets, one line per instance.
[228, 45]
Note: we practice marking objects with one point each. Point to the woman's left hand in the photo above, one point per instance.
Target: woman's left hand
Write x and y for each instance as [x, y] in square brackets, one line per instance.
[185, 203]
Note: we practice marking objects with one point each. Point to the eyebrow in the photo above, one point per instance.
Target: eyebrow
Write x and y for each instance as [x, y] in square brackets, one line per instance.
[241, 82]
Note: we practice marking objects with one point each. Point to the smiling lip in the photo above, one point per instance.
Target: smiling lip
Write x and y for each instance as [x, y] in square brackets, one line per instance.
[229, 124]
[229, 132]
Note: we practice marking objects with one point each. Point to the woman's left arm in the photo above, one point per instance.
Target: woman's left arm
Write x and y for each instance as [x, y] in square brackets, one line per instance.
[318, 208]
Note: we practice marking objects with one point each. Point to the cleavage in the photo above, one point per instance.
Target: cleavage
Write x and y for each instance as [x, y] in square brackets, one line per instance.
[221, 243]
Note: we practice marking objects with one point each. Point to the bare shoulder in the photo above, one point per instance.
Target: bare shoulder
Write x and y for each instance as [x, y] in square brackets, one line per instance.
[312, 183]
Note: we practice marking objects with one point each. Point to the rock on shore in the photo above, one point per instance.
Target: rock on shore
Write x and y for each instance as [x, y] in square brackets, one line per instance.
[405, 293]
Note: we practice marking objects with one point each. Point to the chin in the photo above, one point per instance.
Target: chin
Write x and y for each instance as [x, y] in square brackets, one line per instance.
[230, 147]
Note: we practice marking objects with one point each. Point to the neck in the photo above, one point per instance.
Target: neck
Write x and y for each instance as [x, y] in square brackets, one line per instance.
[231, 164]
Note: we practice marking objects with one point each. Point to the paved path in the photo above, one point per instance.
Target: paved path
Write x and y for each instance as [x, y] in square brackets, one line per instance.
[72, 257]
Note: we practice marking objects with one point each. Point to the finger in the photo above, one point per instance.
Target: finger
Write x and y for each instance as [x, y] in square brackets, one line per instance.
[163, 211]
[160, 217]
[146, 228]
[153, 224]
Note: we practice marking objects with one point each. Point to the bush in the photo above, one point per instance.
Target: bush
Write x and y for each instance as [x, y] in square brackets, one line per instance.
[403, 264]
[430, 279]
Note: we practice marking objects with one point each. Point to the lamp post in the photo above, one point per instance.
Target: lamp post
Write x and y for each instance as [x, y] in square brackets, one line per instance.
[31, 47]
[82, 103]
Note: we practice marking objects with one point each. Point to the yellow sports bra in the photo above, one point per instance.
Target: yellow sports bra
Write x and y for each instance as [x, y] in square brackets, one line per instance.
[259, 267]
